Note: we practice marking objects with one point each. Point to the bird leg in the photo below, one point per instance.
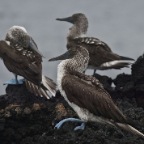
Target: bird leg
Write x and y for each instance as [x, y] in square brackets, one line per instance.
[16, 79]
[94, 71]
[81, 127]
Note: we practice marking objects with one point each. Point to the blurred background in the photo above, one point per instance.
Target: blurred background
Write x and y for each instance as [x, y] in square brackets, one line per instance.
[118, 23]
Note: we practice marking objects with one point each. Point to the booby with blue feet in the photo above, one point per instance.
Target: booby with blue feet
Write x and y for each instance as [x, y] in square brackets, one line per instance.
[21, 56]
[85, 94]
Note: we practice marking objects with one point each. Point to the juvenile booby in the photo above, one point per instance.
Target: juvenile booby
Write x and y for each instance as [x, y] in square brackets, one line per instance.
[21, 56]
[101, 55]
[85, 94]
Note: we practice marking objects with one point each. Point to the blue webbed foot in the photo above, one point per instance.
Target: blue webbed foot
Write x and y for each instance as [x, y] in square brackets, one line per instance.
[59, 125]
[81, 127]
[14, 82]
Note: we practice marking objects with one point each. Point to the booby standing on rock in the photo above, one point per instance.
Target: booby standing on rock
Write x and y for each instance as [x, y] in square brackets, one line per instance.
[21, 56]
[85, 94]
[101, 55]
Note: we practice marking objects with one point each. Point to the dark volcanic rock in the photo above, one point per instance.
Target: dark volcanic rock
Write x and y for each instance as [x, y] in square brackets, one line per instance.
[27, 119]
[138, 79]
[124, 86]
[138, 70]
[123, 82]
[106, 81]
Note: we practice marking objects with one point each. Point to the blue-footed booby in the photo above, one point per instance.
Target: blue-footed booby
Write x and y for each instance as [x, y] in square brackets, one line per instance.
[21, 56]
[85, 94]
[101, 55]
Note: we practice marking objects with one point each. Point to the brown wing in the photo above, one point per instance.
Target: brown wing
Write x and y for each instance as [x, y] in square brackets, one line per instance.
[99, 56]
[92, 97]
[93, 42]
[26, 63]
[99, 51]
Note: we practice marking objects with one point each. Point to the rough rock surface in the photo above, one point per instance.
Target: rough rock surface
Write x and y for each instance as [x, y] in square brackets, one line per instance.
[27, 119]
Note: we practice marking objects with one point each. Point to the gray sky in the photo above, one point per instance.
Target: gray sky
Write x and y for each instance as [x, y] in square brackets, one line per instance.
[118, 23]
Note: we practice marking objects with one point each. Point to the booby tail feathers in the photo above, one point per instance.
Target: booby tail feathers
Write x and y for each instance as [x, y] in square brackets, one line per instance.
[126, 58]
[46, 89]
[129, 128]
[117, 64]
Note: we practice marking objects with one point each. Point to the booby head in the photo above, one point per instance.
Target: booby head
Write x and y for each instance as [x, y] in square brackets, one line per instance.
[76, 59]
[75, 18]
[19, 38]
[80, 24]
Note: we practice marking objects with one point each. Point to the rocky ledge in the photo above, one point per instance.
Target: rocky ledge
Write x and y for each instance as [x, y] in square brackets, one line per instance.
[27, 119]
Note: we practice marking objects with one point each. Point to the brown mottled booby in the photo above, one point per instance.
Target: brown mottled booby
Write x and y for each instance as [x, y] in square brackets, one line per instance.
[85, 94]
[21, 56]
[101, 55]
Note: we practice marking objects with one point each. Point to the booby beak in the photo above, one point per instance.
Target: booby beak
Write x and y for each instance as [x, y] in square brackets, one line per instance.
[67, 19]
[64, 56]
[34, 47]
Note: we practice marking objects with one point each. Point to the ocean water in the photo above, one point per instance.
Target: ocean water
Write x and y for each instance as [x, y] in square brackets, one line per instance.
[118, 23]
